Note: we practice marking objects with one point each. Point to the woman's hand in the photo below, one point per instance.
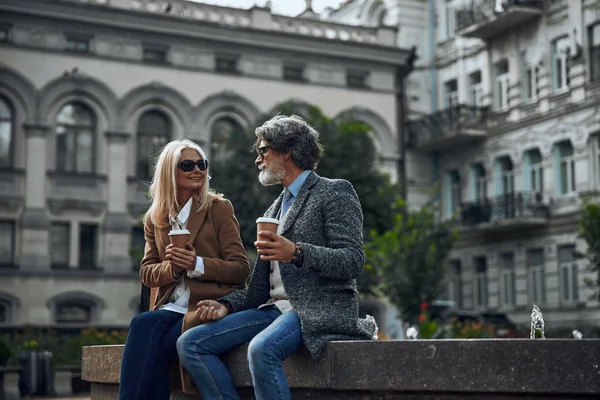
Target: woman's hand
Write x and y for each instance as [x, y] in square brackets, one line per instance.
[210, 310]
[182, 258]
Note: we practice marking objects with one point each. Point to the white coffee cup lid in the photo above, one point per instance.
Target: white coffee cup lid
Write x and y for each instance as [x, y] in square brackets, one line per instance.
[270, 220]
[179, 232]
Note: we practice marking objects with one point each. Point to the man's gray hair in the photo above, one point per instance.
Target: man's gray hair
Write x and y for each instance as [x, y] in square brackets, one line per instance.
[291, 134]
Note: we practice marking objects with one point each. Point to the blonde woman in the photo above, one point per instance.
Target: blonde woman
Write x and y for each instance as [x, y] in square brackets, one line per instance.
[211, 265]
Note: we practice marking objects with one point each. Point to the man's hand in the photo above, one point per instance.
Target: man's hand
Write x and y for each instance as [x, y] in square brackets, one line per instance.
[182, 258]
[274, 247]
[210, 310]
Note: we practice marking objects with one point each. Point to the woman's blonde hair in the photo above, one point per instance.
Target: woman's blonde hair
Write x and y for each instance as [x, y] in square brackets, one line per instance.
[163, 190]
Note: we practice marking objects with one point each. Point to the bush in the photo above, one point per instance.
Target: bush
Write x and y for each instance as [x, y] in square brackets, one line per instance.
[470, 330]
[69, 353]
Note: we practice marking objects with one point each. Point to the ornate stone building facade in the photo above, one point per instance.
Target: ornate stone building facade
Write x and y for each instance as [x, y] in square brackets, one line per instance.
[90, 90]
[513, 135]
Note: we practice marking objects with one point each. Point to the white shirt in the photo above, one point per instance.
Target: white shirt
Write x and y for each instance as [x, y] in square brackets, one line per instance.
[178, 301]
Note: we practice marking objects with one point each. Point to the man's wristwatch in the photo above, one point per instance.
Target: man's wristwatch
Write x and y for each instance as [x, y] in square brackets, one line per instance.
[298, 258]
[226, 304]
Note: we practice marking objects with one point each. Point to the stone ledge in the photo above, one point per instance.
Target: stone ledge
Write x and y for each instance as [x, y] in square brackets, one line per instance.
[426, 369]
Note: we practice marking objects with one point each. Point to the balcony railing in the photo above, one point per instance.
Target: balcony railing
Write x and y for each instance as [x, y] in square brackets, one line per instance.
[458, 125]
[483, 19]
[522, 209]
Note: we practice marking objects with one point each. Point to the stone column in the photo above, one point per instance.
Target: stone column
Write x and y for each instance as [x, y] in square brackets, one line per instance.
[35, 223]
[117, 222]
[521, 287]
[577, 80]
[493, 278]
[545, 88]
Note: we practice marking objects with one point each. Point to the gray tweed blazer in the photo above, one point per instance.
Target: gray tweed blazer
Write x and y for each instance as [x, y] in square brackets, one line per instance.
[326, 218]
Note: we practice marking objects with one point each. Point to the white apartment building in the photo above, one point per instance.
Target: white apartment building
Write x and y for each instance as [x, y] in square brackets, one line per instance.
[90, 90]
[513, 136]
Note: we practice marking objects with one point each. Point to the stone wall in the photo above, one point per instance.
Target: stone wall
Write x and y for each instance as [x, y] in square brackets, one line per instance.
[491, 369]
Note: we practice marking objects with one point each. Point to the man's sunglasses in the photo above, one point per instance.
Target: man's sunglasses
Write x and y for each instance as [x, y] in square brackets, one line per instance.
[263, 150]
[189, 165]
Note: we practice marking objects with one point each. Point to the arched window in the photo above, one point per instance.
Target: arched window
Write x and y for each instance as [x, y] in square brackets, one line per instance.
[6, 132]
[75, 133]
[153, 132]
[73, 313]
[75, 308]
[221, 135]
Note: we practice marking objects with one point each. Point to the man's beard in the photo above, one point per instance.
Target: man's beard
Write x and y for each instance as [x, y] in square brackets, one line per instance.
[272, 175]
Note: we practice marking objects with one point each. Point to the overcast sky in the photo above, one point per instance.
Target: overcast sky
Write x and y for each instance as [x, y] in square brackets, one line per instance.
[283, 7]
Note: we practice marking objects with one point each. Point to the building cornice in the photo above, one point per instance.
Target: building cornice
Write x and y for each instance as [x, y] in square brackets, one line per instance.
[173, 30]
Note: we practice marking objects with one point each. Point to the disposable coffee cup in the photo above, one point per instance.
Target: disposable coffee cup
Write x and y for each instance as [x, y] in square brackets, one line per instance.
[266, 224]
[179, 237]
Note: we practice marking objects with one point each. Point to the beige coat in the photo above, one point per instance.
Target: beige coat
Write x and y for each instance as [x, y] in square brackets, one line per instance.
[215, 235]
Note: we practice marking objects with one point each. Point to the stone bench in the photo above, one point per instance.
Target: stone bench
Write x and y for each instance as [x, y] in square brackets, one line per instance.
[491, 369]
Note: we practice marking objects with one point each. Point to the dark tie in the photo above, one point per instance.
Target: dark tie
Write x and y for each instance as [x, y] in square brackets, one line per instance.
[287, 201]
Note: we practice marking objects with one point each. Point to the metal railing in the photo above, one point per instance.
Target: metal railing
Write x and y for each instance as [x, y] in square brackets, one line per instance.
[482, 11]
[507, 206]
[446, 123]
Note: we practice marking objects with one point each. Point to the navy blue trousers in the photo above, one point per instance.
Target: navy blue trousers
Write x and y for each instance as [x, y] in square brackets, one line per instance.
[150, 354]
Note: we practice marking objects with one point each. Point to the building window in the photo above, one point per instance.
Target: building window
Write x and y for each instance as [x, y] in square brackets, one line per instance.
[223, 131]
[565, 161]
[449, 19]
[535, 276]
[293, 73]
[478, 183]
[75, 134]
[455, 282]
[595, 52]
[451, 94]
[75, 308]
[8, 309]
[453, 194]
[227, 64]
[7, 243]
[154, 54]
[357, 79]
[60, 233]
[481, 292]
[529, 80]
[507, 279]
[87, 246]
[475, 89]
[153, 132]
[4, 33]
[568, 274]
[73, 313]
[534, 172]
[502, 83]
[560, 64]
[77, 44]
[138, 244]
[507, 176]
[6, 132]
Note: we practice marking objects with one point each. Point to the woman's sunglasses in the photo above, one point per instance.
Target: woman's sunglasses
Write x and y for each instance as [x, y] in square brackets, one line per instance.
[189, 165]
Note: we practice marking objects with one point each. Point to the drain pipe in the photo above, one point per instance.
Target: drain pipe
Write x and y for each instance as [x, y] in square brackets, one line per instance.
[431, 33]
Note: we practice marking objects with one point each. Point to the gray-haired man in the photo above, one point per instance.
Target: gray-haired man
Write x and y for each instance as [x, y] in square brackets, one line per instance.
[303, 288]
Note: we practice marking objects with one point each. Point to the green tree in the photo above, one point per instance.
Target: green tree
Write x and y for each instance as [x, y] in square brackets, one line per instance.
[411, 257]
[589, 228]
[349, 154]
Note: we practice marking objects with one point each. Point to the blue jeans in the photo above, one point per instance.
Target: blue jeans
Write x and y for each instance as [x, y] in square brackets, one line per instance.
[273, 337]
[149, 351]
